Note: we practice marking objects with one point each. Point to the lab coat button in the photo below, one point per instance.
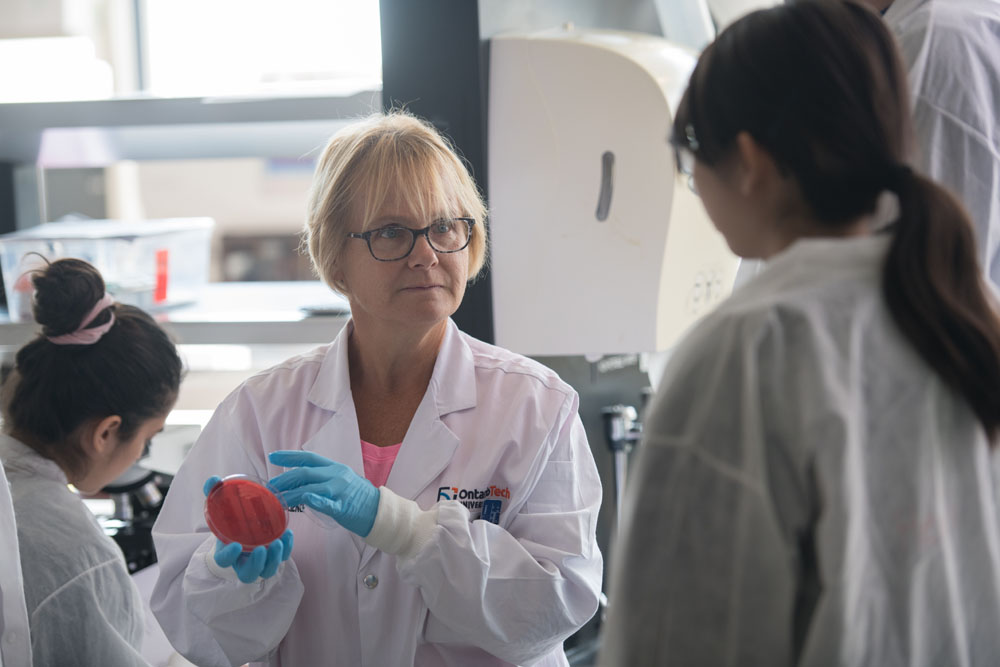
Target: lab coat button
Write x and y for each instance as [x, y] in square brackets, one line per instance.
[370, 581]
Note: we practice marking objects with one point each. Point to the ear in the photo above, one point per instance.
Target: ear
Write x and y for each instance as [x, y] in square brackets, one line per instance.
[104, 438]
[337, 275]
[756, 166]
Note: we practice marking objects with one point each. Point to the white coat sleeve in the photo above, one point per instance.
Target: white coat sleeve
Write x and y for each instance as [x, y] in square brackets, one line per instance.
[705, 571]
[209, 616]
[15, 643]
[516, 593]
[961, 158]
[94, 619]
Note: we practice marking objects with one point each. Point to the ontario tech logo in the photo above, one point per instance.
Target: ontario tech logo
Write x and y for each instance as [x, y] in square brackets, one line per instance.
[485, 502]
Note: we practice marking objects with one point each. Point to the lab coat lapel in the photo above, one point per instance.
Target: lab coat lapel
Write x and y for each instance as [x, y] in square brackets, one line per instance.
[901, 9]
[429, 444]
[338, 439]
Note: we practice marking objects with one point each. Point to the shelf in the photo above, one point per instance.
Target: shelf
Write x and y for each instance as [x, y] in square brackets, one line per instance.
[97, 133]
[102, 132]
[254, 313]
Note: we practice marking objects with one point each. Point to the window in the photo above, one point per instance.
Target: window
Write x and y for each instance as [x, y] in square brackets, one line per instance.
[61, 50]
[249, 47]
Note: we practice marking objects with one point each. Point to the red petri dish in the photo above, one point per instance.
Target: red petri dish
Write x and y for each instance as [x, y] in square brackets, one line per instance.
[242, 509]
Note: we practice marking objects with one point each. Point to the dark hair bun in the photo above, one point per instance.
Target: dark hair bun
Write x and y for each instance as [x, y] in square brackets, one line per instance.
[65, 291]
[132, 371]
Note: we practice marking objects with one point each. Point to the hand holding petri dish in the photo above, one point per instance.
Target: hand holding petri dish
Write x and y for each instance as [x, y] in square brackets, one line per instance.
[242, 509]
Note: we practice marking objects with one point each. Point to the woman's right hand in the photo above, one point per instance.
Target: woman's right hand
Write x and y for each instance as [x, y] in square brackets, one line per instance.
[261, 563]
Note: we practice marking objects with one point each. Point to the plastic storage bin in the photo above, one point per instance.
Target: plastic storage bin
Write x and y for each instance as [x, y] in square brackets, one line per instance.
[151, 264]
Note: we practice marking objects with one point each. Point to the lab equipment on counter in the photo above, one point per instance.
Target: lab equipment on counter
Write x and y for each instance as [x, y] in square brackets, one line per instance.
[686, 22]
[622, 429]
[146, 263]
[127, 507]
[242, 509]
[137, 495]
[725, 12]
[597, 246]
[694, 23]
[133, 502]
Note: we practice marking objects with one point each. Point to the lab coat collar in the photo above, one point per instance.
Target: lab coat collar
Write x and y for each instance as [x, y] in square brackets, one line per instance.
[18, 457]
[453, 382]
[332, 387]
[452, 385]
[815, 260]
[429, 444]
[900, 9]
[849, 252]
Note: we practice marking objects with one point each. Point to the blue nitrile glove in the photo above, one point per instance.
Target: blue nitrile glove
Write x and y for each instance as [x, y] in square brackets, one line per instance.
[262, 562]
[328, 487]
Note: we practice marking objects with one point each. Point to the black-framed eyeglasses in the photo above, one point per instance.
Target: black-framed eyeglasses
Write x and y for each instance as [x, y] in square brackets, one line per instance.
[684, 153]
[394, 242]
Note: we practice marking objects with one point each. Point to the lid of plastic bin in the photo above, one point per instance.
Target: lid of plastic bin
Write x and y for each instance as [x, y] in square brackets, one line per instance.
[99, 229]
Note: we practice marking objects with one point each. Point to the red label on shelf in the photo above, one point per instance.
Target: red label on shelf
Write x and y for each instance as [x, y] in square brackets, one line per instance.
[160, 292]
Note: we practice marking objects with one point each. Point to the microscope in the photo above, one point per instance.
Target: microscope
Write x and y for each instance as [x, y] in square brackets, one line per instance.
[622, 431]
[137, 495]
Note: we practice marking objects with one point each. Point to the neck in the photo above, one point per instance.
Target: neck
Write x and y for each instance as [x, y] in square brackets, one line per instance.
[45, 452]
[386, 363]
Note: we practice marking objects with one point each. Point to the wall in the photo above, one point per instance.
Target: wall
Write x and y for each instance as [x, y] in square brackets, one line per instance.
[435, 58]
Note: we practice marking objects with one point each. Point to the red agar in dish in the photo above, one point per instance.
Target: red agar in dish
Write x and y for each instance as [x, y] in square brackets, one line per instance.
[241, 510]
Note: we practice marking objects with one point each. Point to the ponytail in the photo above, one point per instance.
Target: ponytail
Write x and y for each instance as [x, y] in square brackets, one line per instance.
[836, 64]
[936, 293]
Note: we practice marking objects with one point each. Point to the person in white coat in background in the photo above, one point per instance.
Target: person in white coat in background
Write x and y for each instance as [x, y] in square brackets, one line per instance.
[817, 482]
[464, 490]
[84, 398]
[951, 50]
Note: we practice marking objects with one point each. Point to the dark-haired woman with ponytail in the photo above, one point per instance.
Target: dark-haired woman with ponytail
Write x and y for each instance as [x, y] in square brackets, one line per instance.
[82, 401]
[818, 480]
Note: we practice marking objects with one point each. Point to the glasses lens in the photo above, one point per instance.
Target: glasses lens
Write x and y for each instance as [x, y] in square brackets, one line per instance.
[692, 185]
[685, 161]
[392, 242]
[449, 235]
[685, 166]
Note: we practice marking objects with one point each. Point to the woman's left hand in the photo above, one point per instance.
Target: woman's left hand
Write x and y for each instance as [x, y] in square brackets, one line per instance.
[328, 487]
[262, 562]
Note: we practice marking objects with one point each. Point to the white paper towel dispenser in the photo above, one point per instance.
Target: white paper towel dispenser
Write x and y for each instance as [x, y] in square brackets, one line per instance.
[597, 246]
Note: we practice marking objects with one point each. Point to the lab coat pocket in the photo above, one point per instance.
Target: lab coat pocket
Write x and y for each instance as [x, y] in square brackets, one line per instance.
[556, 489]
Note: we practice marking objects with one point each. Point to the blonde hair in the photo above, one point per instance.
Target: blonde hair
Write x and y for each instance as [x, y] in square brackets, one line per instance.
[383, 156]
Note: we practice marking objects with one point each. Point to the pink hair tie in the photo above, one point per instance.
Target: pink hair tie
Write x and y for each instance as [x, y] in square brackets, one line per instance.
[83, 335]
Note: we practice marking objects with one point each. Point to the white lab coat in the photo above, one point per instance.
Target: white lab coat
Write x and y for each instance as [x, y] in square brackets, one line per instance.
[470, 593]
[807, 491]
[951, 49]
[15, 641]
[82, 605]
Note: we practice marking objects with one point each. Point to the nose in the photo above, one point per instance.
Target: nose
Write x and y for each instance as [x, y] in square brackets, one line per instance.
[422, 254]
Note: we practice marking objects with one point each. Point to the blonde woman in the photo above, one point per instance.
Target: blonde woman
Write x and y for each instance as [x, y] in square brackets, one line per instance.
[458, 475]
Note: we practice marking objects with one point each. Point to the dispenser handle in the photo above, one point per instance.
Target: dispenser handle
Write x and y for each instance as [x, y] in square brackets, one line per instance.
[607, 185]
